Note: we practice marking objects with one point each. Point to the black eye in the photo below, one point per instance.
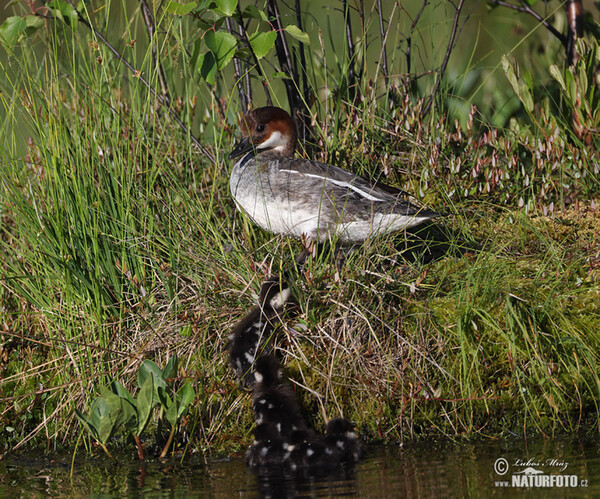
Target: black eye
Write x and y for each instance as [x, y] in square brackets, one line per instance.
[260, 128]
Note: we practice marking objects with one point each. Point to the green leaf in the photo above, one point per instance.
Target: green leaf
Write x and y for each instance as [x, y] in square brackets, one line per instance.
[12, 30]
[164, 398]
[87, 424]
[207, 67]
[261, 43]
[178, 9]
[222, 45]
[511, 70]
[226, 7]
[147, 368]
[118, 389]
[171, 414]
[144, 404]
[102, 421]
[252, 12]
[297, 33]
[171, 367]
[64, 11]
[121, 410]
[557, 75]
[33, 24]
[185, 396]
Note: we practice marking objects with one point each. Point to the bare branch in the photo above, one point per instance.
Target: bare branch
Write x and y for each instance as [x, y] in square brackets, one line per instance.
[446, 58]
[574, 28]
[241, 78]
[138, 75]
[528, 10]
[243, 33]
[383, 34]
[150, 27]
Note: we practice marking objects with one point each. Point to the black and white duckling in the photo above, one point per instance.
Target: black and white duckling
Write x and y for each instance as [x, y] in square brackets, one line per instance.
[268, 448]
[274, 401]
[308, 452]
[252, 334]
[340, 435]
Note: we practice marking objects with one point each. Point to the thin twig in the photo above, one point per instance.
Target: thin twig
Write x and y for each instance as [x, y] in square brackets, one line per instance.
[350, 46]
[383, 34]
[446, 59]
[305, 86]
[528, 10]
[410, 34]
[244, 35]
[298, 107]
[241, 77]
[138, 75]
[151, 27]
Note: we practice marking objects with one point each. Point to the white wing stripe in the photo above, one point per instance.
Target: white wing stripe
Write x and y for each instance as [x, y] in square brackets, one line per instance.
[339, 183]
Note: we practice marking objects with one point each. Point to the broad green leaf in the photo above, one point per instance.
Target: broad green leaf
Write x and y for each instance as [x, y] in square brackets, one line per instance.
[121, 410]
[222, 45]
[252, 12]
[87, 424]
[178, 9]
[207, 67]
[33, 24]
[226, 7]
[164, 398]
[145, 403]
[64, 11]
[297, 33]
[12, 30]
[261, 43]
[185, 396]
[171, 367]
[147, 368]
[172, 412]
[102, 421]
[118, 389]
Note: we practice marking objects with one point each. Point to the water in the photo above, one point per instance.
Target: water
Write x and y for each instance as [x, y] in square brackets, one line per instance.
[425, 469]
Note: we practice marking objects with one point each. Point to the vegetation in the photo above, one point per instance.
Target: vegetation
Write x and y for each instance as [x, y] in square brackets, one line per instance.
[120, 245]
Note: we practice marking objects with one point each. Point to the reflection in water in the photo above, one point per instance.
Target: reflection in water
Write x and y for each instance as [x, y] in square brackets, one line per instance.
[430, 468]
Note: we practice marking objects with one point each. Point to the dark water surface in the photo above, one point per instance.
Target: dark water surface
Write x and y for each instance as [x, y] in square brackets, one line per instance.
[538, 468]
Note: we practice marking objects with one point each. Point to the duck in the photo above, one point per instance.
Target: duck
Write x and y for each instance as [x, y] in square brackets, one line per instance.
[273, 401]
[252, 334]
[307, 199]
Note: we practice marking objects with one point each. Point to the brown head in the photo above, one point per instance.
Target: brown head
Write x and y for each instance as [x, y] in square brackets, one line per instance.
[266, 129]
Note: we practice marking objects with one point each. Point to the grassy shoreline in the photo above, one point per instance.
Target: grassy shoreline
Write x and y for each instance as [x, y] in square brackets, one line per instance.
[120, 242]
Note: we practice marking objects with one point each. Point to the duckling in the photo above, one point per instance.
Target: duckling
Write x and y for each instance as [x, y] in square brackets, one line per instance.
[268, 448]
[340, 435]
[274, 401]
[251, 335]
[308, 452]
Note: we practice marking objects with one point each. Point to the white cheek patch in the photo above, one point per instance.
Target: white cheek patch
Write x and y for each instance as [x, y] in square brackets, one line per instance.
[275, 142]
[258, 377]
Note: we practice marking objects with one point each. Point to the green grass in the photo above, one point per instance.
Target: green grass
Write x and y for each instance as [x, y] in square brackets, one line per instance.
[121, 242]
